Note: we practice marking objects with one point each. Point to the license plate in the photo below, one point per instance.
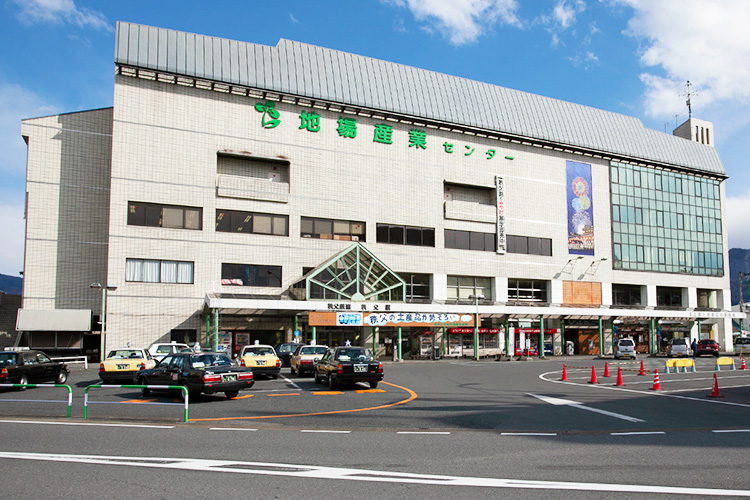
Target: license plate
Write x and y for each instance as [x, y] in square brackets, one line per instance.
[260, 362]
[229, 377]
[360, 368]
[122, 367]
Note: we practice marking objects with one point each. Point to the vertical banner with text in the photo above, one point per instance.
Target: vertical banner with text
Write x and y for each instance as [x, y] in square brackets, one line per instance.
[500, 191]
[580, 209]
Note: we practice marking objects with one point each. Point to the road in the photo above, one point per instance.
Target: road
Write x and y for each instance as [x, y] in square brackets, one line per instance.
[457, 429]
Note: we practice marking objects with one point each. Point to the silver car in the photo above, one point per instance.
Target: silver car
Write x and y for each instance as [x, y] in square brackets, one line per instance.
[679, 347]
[625, 348]
[742, 346]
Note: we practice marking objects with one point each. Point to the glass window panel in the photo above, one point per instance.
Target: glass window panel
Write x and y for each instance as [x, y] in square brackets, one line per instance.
[341, 227]
[381, 233]
[192, 218]
[262, 224]
[428, 237]
[153, 216]
[223, 221]
[168, 272]
[535, 246]
[490, 243]
[476, 241]
[136, 214]
[358, 229]
[450, 238]
[522, 245]
[396, 234]
[151, 271]
[462, 240]
[323, 226]
[306, 226]
[172, 217]
[414, 236]
[280, 224]
[242, 222]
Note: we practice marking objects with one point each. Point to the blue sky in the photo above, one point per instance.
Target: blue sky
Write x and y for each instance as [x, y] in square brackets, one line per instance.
[628, 56]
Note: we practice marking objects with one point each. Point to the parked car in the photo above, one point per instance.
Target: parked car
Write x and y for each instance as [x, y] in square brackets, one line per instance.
[304, 358]
[348, 365]
[262, 359]
[707, 346]
[25, 366]
[625, 348]
[124, 364]
[679, 347]
[159, 350]
[199, 372]
[284, 352]
[742, 346]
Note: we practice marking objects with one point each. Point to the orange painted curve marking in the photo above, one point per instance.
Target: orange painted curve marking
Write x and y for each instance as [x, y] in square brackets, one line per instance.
[277, 395]
[412, 397]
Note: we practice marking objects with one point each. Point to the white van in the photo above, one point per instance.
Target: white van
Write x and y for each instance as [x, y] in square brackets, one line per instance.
[742, 346]
[679, 347]
[625, 348]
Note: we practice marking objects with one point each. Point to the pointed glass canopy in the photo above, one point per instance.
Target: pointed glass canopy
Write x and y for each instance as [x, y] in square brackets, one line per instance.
[354, 274]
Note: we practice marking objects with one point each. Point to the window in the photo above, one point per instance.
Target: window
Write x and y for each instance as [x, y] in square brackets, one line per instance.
[528, 245]
[465, 288]
[626, 295]
[417, 286]
[470, 240]
[705, 298]
[406, 235]
[158, 271]
[667, 296]
[231, 221]
[250, 275]
[522, 290]
[330, 229]
[172, 216]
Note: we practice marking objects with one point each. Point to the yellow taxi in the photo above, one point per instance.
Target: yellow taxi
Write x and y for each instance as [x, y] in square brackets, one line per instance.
[124, 364]
[262, 359]
[304, 358]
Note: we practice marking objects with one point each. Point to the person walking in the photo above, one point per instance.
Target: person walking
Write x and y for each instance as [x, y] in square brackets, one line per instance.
[694, 346]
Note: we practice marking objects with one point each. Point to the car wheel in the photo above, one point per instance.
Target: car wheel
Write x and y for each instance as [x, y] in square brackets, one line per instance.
[24, 380]
[231, 394]
[275, 376]
[331, 383]
[62, 377]
[317, 379]
[373, 384]
[291, 370]
[145, 391]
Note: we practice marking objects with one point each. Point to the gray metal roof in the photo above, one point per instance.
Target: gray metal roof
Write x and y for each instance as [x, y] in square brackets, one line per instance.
[308, 71]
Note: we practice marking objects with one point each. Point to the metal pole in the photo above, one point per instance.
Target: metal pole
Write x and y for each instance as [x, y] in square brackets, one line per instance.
[399, 343]
[208, 329]
[103, 347]
[652, 336]
[601, 337]
[476, 329]
[314, 334]
[562, 336]
[374, 343]
[541, 336]
[216, 330]
[507, 337]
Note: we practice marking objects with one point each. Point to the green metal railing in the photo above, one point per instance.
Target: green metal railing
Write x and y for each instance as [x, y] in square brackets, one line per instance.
[182, 388]
[24, 386]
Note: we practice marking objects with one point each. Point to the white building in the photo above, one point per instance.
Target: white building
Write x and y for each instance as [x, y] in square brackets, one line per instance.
[239, 192]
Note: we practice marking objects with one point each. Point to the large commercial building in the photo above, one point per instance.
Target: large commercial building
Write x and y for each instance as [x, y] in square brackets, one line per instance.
[238, 192]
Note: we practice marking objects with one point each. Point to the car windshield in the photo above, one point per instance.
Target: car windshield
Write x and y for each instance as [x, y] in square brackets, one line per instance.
[313, 350]
[359, 354]
[125, 354]
[259, 351]
[209, 359]
[8, 358]
[185, 349]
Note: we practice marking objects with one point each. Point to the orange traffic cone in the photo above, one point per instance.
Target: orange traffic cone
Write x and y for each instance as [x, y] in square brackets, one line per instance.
[715, 389]
[619, 378]
[593, 376]
[606, 369]
[642, 372]
[657, 385]
[565, 374]
[743, 366]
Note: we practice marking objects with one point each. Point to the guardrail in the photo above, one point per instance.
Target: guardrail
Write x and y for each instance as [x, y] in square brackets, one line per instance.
[74, 360]
[182, 388]
[24, 386]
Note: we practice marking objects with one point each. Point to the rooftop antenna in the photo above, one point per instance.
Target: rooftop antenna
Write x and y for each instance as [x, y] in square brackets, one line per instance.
[688, 95]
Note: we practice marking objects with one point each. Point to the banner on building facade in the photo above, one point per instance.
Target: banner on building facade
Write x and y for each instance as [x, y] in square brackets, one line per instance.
[426, 320]
[500, 193]
[580, 209]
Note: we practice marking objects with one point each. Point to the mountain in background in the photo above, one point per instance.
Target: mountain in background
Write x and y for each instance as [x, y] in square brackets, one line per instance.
[11, 284]
[739, 262]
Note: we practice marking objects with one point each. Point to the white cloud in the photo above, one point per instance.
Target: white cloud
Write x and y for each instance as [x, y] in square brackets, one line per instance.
[565, 13]
[17, 103]
[14, 227]
[707, 43]
[738, 213]
[60, 12]
[461, 21]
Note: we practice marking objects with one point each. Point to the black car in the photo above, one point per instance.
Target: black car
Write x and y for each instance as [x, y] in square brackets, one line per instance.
[348, 365]
[201, 373]
[30, 367]
[284, 352]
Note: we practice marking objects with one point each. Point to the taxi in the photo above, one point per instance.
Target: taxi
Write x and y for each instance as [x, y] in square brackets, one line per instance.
[304, 358]
[124, 364]
[262, 359]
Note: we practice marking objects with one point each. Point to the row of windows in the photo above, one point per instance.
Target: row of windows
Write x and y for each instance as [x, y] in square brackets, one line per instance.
[669, 182]
[172, 216]
[658, 218]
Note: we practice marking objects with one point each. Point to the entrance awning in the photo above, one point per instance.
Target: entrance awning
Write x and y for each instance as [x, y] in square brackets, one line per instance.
[53, 320]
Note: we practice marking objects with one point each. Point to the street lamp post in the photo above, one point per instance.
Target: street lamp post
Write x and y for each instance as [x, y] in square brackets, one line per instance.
[103, 288]
[476, 324]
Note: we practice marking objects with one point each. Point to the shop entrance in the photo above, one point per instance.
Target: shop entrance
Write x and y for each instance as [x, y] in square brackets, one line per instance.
[638, 330]
[334, 337]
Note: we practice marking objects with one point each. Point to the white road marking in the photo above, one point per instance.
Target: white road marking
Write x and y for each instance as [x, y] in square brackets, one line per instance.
[730, 430]
[636, 433]
[442, 433]
[292, 383]
[323, 431]
[528, 434]
[580, 406]
[42, 422]
[341, 473]
[231, 429]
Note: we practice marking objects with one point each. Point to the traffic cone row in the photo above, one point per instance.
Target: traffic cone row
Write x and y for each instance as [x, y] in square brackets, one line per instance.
[715, 389]
[657, 384]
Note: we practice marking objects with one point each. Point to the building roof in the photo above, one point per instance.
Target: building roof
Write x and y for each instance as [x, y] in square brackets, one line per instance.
[303, 70]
